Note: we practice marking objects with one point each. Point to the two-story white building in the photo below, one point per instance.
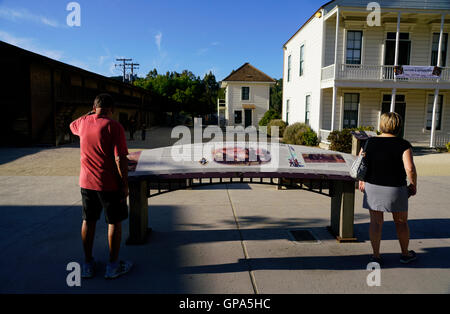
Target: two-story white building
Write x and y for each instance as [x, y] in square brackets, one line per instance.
[339, 68]
[247, 97]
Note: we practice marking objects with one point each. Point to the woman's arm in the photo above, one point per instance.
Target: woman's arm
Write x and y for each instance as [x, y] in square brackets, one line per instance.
[410, 170]
[362, 185]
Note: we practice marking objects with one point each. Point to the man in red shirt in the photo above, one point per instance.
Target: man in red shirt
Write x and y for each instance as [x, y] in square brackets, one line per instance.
[103, 182]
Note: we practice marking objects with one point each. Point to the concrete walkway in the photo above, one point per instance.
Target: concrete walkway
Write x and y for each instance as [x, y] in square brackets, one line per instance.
[221, 239]
[226, 239]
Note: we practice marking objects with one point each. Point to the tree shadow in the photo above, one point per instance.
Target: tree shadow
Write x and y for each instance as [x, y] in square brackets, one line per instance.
[9, 154]
[432, 258]
[419, 229]
[423, 151]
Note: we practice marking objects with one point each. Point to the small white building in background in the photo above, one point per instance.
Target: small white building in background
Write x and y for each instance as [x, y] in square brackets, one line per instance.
[339, 69]
[247, 97]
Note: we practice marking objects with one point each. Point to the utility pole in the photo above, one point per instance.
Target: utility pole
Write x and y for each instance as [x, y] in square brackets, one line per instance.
[132, 66]
[124, 66]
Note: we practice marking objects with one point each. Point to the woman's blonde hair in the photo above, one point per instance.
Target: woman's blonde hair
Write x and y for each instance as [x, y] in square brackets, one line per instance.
[391, 123]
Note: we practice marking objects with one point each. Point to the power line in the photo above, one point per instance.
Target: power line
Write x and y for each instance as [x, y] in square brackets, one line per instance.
[123, 66]
[132, 67]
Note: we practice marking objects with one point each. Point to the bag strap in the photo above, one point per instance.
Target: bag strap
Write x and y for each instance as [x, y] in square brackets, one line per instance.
[365, 145]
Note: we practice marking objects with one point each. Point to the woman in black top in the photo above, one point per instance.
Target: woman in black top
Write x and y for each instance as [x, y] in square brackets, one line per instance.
[390, 162]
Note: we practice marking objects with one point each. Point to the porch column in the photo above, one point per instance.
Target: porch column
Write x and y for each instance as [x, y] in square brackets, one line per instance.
[333, 107]
[336, 42]
[436, 91]
[397, 44]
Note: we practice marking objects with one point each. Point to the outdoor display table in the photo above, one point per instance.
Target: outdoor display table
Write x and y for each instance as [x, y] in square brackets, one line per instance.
[168, 169]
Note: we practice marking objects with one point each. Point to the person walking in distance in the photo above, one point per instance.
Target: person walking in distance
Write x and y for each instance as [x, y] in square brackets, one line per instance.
[143, 131]
[103, 182]
[389, 164]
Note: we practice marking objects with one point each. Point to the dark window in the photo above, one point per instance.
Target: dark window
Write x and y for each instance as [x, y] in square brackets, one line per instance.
[307, 109]
[302, 59]
[398, 98]
[289, 69]
[354, 47]
[393, 36]
[245, 93]
[238, 117]
[404, 49]
[434, 53]
[351, 104]
[438, 112]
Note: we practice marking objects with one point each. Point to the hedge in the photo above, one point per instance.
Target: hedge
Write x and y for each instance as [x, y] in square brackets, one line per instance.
[279, 123]
[341, 141]
[269, 116]
[300, 134]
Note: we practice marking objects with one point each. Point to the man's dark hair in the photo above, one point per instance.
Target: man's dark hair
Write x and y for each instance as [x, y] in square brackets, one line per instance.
[104, 101]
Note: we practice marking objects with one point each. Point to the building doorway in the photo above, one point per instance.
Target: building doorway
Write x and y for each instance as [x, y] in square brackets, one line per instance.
[248, 117]
[400, 108]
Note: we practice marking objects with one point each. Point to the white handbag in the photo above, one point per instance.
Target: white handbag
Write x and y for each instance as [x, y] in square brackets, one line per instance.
[358, 169]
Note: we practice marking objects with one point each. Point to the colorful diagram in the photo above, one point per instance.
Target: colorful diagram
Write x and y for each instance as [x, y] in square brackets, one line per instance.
[293, 161]
[241, 156]
[324, 158]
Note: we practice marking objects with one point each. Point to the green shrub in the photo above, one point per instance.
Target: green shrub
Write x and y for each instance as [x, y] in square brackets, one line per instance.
[308, 138]
[300, 134]
[291, 133]
[341, 141]
[269, 116]
[279, 123]
[448, 146]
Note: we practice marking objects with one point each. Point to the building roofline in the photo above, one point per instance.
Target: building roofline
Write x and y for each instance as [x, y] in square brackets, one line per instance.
[245, 64]
[309, 20]
[330, 2]
[49, 61]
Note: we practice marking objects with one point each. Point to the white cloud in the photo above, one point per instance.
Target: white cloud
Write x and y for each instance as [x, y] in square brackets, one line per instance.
[22, 14]
[158, 38]
[30, 44]
[202, 51]
[105, 58]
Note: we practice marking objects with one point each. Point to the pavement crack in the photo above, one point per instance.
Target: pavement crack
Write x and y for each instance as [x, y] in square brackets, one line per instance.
[244, 248]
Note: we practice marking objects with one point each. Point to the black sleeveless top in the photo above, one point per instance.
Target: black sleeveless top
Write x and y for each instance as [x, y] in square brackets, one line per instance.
[384, 157]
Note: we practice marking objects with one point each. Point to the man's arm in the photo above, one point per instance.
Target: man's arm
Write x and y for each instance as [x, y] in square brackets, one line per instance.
[74, 124]
[122, 167]
[120, 153]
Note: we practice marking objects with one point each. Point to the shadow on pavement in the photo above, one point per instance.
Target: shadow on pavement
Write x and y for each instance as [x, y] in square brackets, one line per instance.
[40, 241]
[438, 257]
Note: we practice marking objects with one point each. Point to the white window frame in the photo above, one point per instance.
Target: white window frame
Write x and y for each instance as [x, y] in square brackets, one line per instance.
[302, 60]
[242, 93]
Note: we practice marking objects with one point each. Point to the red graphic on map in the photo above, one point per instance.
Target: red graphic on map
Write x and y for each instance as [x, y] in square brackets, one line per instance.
[323, 158]
[241, 156]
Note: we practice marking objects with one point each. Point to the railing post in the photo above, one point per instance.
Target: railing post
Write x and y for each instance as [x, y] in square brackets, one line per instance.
[138, 220]
[342, 210]
[436, 92]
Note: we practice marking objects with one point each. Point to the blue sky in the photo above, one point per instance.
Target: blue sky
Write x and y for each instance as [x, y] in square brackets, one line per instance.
[170, 35]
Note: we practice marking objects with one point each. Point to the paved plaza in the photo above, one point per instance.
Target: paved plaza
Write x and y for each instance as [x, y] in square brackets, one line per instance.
[219, 239]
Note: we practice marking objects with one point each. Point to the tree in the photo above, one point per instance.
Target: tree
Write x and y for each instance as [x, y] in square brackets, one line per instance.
[276, 96]
[183, 91]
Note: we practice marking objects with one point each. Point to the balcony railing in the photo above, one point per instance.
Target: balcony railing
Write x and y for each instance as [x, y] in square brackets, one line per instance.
[358, 72]
[323, 134]
[221, 102]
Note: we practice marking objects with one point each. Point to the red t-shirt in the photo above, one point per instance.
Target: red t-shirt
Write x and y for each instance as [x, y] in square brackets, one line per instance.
[101, 141]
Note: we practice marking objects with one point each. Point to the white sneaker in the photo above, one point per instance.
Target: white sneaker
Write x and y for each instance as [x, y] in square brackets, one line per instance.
[88, 270]
[121, 269]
